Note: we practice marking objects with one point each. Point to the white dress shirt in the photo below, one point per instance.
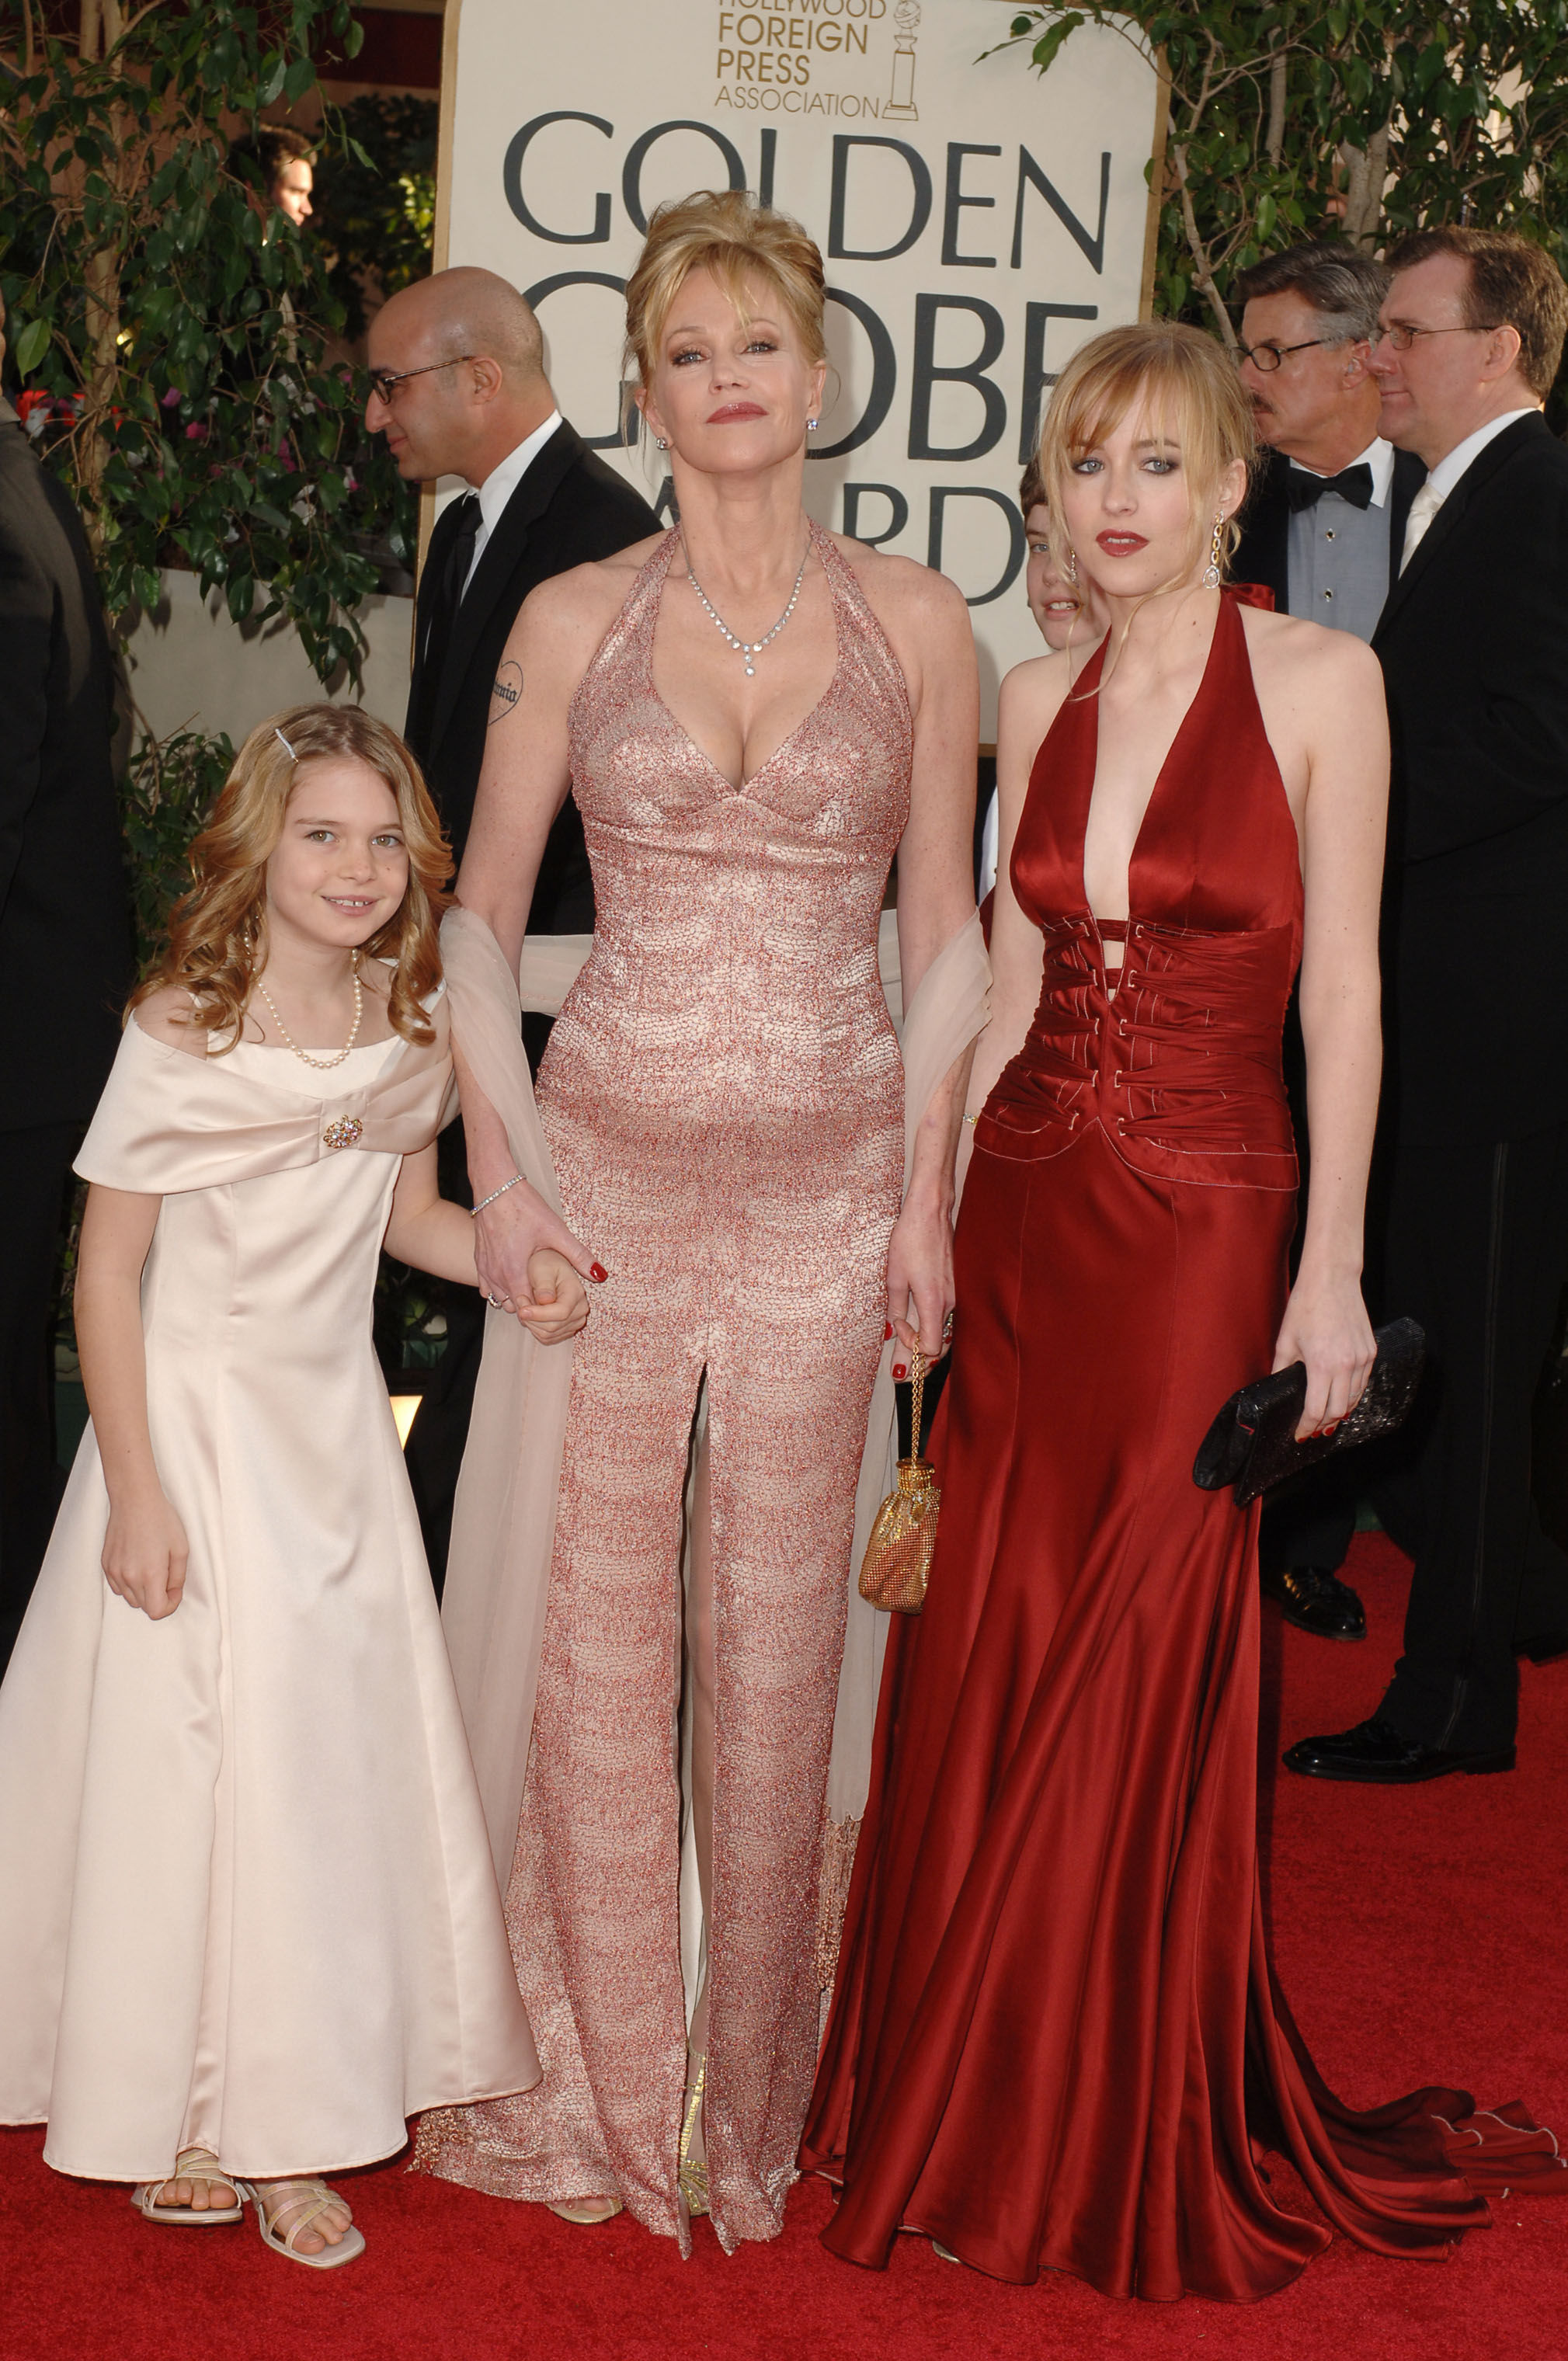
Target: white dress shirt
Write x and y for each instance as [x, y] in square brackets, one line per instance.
[1448, 471]
[990, 847]
[502, 481]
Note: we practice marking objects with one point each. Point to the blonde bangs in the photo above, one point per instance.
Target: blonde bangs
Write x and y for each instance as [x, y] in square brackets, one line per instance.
[743, 245]
[1178, 380]
[218, 928]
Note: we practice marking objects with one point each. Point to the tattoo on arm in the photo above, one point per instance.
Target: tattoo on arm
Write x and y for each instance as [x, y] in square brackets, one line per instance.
[506, 692]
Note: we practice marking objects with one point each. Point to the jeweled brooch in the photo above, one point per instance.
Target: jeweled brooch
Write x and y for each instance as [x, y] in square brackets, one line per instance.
[347, 1132]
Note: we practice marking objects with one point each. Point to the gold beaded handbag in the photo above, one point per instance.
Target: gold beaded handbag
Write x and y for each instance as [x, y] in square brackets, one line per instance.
[897, 1564]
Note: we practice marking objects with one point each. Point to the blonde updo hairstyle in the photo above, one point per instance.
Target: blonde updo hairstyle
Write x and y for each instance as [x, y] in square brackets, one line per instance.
[742, 245]
[217, 930]
[1182, 382]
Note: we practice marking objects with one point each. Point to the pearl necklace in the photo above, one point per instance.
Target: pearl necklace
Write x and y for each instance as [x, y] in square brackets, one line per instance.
[288, 1039]
[748, 648]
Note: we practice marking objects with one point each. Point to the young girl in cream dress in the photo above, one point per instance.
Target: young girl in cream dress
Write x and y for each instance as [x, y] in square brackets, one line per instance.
[248, 1920]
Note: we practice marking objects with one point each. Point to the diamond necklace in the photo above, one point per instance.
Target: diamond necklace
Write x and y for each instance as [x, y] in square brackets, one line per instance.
[748, 648]
[288, 1039]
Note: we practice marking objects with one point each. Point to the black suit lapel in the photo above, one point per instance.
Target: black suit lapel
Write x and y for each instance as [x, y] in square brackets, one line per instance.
[423, 686]
[499, 562]
[1450, 515]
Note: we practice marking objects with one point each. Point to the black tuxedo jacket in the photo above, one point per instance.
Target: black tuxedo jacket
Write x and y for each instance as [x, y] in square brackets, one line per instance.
[569, 509]
[1473, 643]
[1263, 550]
[65, 935]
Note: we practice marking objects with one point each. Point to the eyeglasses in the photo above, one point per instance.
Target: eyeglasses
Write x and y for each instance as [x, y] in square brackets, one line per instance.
[1402, 335]
[1267, 358]
[384, 383]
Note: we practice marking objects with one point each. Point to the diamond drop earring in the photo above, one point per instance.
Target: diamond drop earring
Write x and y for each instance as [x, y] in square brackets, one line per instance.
[1071, 567]
[1212, 571]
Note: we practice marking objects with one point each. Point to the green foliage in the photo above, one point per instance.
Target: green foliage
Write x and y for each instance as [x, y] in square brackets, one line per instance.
[175, 341]
[167, 793]
[410, 1317]
[375, 200]
[1360, 118]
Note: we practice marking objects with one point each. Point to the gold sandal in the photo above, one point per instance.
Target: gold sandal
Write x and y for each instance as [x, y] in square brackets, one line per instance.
[188, 2166]
[691, 2173]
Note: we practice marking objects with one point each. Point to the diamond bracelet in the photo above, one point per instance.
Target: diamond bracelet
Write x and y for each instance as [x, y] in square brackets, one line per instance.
[497, 1192]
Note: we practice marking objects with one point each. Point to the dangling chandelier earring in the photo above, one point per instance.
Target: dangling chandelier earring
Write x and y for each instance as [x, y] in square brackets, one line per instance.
[1071, 567]
[1212, 572]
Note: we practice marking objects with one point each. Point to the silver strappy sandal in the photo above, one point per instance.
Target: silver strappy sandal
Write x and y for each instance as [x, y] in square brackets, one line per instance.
[314, 2198]
[190, 2164]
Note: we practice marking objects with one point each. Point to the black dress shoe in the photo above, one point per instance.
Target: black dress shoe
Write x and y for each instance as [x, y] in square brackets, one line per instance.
[1316, 1600]
[1376, 1754]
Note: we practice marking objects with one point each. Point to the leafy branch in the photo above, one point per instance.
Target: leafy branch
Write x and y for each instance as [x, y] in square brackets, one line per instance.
[177, 342]
[1359, 118]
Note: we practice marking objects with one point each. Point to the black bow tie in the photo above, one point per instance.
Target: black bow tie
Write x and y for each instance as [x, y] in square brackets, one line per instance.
[1352, 484]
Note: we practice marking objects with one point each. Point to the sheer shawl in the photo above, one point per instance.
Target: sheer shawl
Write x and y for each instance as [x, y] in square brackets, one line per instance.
[503, 1526]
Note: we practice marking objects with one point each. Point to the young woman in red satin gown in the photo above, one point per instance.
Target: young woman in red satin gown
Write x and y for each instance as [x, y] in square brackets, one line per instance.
[1056, 2042]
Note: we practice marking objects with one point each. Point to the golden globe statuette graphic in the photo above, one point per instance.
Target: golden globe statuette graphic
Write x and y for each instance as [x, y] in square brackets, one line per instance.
[901, 106]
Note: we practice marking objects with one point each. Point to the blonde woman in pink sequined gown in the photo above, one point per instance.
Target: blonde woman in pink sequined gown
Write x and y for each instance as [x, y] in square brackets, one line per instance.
[723, 1102]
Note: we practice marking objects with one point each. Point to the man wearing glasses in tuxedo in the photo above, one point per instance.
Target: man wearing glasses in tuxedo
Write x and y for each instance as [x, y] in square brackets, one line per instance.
[1326, 522]
[1323, 530]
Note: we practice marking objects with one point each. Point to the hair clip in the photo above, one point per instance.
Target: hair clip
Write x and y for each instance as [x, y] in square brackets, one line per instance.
[284, 743]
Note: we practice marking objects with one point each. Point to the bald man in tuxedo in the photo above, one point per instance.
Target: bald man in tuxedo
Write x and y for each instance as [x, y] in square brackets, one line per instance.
[458, 388]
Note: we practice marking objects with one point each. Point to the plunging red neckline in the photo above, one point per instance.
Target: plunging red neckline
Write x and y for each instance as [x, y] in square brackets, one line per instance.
[1090, 677]
[743, 786]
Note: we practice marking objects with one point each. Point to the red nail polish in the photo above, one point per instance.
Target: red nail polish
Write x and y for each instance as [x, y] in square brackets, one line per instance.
[887, 1333]
[597, 1271]
[899, 1371]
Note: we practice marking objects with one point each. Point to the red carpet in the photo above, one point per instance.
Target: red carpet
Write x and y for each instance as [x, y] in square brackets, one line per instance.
[1419, 1936]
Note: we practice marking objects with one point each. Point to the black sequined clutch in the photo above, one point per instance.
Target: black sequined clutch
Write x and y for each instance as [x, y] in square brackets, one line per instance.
[1253, 1445]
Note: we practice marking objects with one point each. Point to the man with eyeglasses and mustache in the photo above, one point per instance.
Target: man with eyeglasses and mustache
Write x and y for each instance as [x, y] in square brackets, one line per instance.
[1473, 643]
[1325, 524]
[1323, 530]
[457, 386]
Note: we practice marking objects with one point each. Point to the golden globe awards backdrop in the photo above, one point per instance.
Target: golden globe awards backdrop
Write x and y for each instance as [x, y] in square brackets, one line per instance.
[977, 220]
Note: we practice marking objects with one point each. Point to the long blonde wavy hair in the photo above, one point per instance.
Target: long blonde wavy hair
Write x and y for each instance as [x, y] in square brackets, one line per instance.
[217, 930]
